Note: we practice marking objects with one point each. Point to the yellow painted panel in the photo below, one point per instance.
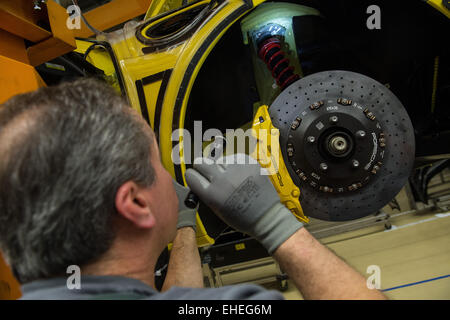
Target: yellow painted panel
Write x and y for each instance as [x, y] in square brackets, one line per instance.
[151, 95]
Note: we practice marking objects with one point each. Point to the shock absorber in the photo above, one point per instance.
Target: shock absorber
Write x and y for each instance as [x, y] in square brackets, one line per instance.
[270, 52]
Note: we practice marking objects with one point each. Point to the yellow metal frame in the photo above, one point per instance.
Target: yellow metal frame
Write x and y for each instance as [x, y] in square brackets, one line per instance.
[437, 4]
[153, 81]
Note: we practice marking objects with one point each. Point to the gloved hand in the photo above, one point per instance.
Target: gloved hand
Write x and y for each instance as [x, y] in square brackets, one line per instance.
[186, 216]
[245, 199]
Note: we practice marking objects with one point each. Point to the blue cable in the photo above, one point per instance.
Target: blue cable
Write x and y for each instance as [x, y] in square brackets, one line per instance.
[414, 283]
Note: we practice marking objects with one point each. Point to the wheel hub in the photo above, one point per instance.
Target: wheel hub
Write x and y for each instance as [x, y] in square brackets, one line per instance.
[324, 148]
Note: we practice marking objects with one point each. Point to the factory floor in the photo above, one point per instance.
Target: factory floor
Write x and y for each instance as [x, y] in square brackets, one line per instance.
[414, 256]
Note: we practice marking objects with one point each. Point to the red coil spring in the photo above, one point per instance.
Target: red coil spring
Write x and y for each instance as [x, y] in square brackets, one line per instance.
[270, 52]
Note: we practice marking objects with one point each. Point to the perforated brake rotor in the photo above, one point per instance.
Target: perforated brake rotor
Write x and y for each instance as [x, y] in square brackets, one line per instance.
[347, 142]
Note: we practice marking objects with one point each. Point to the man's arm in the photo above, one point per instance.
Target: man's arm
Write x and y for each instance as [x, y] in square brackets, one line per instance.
[318, 273]
[246, 199]
[184, 268]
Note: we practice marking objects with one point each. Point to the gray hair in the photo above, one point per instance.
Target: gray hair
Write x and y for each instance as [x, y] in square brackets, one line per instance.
[64, 153]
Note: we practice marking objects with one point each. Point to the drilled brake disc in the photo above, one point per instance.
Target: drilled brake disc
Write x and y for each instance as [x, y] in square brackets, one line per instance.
[347, 142]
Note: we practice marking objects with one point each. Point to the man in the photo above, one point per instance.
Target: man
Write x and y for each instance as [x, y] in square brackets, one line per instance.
[82, 184]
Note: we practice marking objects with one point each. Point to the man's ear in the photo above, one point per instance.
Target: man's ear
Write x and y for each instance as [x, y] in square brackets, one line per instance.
[133, 205]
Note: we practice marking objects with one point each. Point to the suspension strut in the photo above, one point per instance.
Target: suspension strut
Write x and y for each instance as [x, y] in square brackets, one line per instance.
[270, 52]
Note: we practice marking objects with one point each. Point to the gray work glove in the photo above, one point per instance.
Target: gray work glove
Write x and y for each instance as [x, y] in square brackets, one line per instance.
[186, 216]
[245, 199]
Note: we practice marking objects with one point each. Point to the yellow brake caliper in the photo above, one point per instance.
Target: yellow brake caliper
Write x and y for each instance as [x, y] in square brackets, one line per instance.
[267, 152]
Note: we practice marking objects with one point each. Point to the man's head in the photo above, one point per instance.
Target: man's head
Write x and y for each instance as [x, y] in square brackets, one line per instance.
[79, 170]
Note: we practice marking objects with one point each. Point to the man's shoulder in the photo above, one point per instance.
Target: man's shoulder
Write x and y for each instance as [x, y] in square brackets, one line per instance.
[123, 288]
[232, 292]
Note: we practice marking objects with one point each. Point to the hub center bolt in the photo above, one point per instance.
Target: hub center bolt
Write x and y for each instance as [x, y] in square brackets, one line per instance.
[338, 145]
[360, 134]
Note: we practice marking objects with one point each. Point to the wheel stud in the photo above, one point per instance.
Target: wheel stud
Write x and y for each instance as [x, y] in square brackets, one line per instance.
[361, 134]
[334, 119]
